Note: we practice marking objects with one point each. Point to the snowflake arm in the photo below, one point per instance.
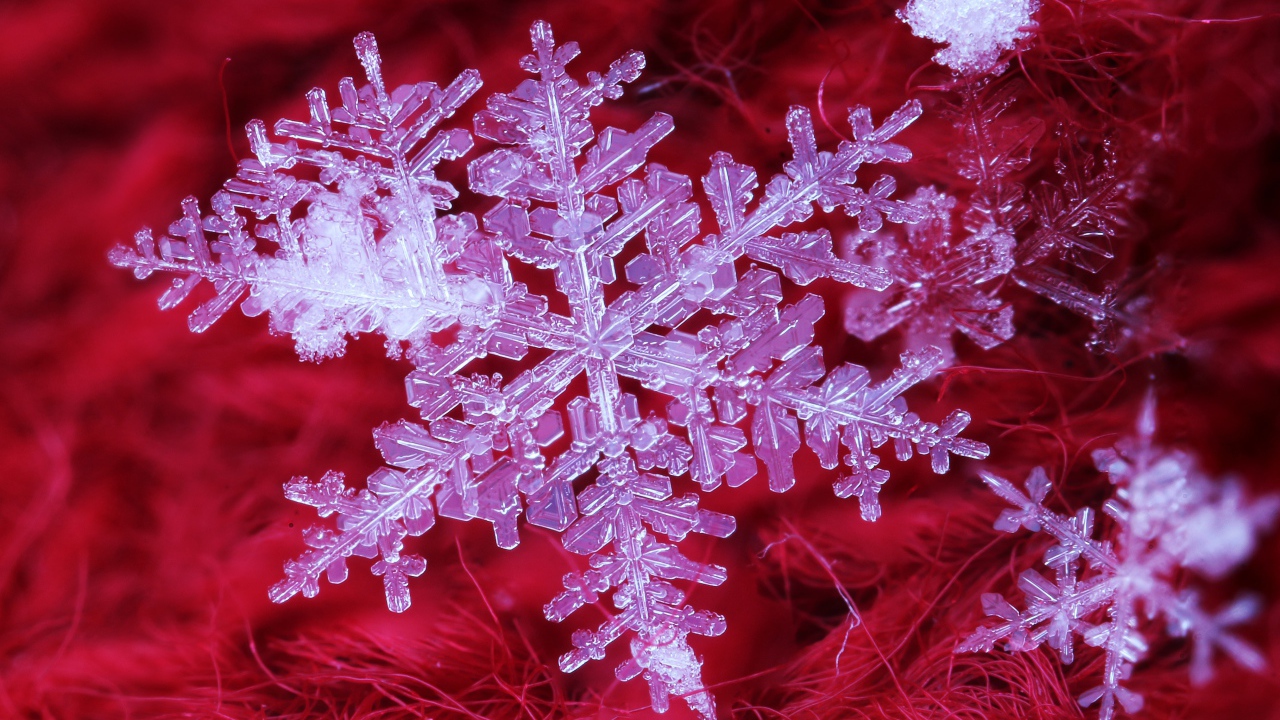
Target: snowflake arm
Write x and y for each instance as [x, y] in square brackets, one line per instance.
[397, 503]
[639, 570]
[975, 32]
[1077, 221]
[1077, 217]
[361, 249]
[1112, 316]
[813, 176]
[862, 416]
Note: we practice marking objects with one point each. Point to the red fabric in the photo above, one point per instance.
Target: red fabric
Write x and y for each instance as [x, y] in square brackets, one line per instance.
[141, 516]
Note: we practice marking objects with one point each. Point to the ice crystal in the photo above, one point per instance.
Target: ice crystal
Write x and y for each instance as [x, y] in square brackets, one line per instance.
[1039, 240]
[1168, 517]
[365, 242]
[940, 283]
[975, 32]
[361, 248]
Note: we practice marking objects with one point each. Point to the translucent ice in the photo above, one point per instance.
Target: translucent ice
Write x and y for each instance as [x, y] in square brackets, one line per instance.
[975, 32]
[1167, 516]
[341, 227]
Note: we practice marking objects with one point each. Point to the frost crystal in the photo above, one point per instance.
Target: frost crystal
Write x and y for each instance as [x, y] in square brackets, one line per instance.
[1038, 239]
[362, 247]
[940, 283]
[365, 242]
[1168, 517]
[976, 32]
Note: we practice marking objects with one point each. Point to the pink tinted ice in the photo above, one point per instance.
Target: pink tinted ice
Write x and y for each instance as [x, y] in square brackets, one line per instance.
[1167, 517]
[372, 245]
[951, 274]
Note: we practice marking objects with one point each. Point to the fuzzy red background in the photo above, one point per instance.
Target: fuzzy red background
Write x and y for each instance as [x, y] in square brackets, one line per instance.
[141, 516]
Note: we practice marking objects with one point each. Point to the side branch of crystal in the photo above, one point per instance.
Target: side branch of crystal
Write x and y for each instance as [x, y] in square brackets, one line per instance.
[361, 248]
[1168, 518]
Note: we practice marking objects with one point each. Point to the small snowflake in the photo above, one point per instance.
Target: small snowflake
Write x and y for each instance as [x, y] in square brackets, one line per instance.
[1168, 517]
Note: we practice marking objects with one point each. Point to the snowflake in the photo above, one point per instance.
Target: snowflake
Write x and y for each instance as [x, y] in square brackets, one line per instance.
[1037, 240]
[940, 284]
[1168, 518]
[365, 242]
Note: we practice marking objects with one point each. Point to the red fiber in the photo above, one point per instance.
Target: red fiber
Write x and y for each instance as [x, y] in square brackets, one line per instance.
[141, 512]
[226, 108]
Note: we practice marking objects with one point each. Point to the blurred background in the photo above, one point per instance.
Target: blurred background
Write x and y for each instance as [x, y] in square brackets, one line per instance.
[141, 512]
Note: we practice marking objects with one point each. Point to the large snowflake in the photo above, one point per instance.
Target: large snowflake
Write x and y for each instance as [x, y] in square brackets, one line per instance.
[1168, 518]
[360, 238]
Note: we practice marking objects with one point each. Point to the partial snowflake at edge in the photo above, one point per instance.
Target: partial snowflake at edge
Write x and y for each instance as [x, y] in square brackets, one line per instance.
[1168, 517]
